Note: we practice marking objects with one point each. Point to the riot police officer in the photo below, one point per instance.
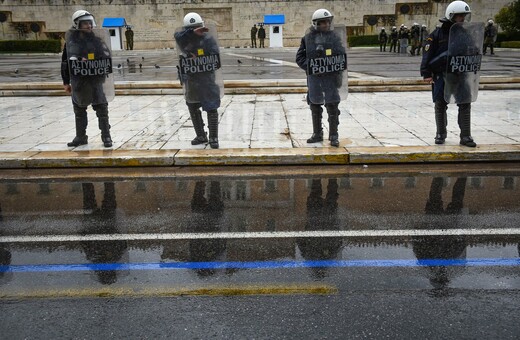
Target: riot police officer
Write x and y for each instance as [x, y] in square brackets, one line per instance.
[89, 82]
[394, 39]
[199, 59]
[383, 38]
[415, 34]
[490, 36]
[433, 70]
[424, 36]
[322, 55]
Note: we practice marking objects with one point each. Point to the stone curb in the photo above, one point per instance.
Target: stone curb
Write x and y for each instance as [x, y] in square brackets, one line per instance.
[254, 157]
[262, 86]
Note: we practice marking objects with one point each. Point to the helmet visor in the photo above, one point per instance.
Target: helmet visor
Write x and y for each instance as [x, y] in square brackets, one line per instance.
[86, 21]
[324, 24]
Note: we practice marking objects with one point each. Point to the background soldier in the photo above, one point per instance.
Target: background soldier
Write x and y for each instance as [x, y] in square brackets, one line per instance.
[490, 36]
[433, 70]
[129, 34]
[394, 37]
[319, 42]
[383, 38]
[253, 36]
[85, 43]
[201, 88]
[261, 35]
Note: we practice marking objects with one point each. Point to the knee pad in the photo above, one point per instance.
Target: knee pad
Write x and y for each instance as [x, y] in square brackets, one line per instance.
[332, 109]
[316, 109]
[101, 110]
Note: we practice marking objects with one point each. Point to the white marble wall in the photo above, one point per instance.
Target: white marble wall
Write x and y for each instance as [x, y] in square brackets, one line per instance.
[154, 21]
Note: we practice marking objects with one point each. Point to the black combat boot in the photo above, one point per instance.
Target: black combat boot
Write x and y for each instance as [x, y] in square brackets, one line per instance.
[81, 127]
[213, 128]
[104, 126]
[317, 130]
[465, 125]
[198, 125]
[441, 121]
[333, 112]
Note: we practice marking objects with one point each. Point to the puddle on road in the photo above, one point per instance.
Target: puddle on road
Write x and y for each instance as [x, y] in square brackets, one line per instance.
[278, 230]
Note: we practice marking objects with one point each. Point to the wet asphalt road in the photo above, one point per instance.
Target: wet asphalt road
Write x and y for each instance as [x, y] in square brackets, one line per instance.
[254, 64]
[329, 252]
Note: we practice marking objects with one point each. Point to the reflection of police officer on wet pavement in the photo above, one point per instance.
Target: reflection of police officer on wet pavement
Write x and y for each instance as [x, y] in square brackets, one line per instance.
[199, 61]
[434, 70]
[102, 220]
[85, 68]
[442, 247]
[206, 217]
[322, 214]
[322, 55]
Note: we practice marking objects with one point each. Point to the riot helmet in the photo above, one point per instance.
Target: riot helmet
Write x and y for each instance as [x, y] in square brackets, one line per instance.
[490, 22]
[82, 15]
[458, 7]
[382, 28]
[321, 14]
[193, 20]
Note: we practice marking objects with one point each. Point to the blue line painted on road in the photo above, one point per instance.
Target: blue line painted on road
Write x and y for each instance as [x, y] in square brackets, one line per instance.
[485, 262]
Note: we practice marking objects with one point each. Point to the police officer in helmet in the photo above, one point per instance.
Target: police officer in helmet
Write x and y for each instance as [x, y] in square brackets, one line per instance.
[82, 45]
[433, 70]
[200, 88]
[321, 42]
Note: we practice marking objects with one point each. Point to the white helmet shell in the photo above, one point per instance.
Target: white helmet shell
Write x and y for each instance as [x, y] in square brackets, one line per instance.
[82, 15]
[321, 14]
[457, 7]
[193, 20]
[491, 22]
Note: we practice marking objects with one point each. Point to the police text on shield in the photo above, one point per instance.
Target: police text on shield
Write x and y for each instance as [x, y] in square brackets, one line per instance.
[464, 63]
[98, 67]
[334, 63]
[200, 64]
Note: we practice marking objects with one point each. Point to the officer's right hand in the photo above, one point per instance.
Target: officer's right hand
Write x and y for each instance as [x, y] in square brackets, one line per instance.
[67, 88]
[428, 80]
[200, 30]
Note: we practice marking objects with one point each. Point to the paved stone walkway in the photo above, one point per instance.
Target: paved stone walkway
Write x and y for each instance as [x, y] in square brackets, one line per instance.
[153, 122]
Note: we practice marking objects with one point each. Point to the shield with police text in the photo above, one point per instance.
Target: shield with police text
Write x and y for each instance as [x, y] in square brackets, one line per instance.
[90, 66]
[327, 79]
[199, 68]
[463, 64]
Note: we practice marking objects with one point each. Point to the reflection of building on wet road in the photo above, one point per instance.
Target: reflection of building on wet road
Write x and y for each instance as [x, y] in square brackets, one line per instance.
[102, 220]
[446, 247]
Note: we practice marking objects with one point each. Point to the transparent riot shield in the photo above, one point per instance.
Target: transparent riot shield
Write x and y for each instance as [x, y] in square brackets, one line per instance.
[327, 79]
[464, 59]
[90, 66]
[199, 67]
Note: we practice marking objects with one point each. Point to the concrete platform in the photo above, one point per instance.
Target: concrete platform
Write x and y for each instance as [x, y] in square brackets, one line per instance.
[256, 129]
